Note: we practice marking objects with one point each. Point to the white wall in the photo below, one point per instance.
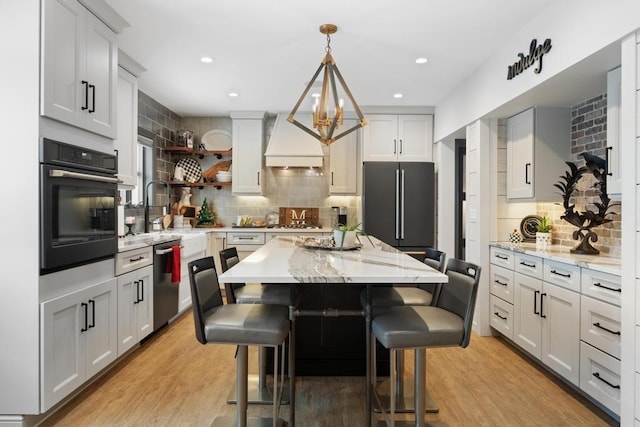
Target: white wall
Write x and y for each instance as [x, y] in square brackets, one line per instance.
[444, 155]
[577, 28]
[19, 44]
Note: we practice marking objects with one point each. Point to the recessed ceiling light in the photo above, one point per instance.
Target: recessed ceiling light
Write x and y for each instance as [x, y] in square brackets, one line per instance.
[206, 59]
[397, 95]
[421, 60]
[233, 94]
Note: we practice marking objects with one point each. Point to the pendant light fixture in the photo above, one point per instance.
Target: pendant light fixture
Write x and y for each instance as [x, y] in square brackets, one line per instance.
[328, 101]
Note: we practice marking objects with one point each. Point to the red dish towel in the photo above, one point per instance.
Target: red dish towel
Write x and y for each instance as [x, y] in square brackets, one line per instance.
[173, 264]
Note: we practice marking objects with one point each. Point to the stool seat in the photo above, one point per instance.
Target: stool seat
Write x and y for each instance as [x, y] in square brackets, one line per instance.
[247, 324]
[394, 296]
[417, 326]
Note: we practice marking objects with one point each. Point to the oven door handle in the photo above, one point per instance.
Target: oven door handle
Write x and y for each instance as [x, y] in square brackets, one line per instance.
[59, 173]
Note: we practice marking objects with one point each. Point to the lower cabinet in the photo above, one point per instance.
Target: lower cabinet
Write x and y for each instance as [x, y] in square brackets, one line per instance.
[79, 339]
[135, 307]
[600, 376]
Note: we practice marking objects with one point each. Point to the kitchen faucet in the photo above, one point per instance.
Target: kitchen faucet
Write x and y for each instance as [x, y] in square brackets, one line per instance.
[147, 205]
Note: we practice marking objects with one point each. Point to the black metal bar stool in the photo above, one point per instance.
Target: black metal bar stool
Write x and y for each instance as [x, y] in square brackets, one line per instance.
[237, 324]
[446, 324]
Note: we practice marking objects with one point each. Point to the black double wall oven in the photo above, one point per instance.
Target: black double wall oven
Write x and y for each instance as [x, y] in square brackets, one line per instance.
[78, 194]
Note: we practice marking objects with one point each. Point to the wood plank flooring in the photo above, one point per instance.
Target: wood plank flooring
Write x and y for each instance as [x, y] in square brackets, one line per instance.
[172, 380]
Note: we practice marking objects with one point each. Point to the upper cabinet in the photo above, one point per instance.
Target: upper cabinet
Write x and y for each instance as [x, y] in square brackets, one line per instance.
[404, 138]
[538, 145]
[343, 163]
[126, 143]
[79, 68]
[614, 177]
[247, 164]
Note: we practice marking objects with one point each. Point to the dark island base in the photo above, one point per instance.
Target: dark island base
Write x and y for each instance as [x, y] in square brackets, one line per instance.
[332, 346]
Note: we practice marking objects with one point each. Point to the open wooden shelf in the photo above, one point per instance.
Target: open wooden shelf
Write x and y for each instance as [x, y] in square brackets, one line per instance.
[217, 185]
[199, 153]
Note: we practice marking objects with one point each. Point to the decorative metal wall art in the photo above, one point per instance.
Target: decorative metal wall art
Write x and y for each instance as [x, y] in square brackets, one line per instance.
[586, 220]
[536, 52]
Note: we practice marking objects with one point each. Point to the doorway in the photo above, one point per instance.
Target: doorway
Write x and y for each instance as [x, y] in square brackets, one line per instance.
[460, 196]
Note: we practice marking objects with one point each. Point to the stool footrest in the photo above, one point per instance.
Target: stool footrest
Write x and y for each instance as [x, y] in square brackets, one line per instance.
[260, 395]
[251, 422]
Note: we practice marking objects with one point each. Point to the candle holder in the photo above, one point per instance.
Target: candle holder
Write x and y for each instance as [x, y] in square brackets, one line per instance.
[130, 231]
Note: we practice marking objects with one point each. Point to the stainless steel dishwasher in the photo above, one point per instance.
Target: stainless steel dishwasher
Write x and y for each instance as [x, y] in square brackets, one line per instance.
[165, 293]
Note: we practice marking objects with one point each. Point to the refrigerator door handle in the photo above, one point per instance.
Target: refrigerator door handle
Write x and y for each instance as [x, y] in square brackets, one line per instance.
[402, 203]
[397, 205]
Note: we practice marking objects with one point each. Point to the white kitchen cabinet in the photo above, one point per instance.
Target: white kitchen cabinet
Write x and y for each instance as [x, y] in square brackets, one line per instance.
[135, 307]
[126, 143]
[614, 161]
[79, 68]
[538, 145]
[194, 247]
[600, 377]
[79, 339]
[216, 243]
[404, 138]
[248, 160]
[527, 323]
[343, 163]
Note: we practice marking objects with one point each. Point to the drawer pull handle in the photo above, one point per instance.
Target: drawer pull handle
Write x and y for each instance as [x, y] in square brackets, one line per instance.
[597, 375]
[502, 257]
[598, 325]
[527, 265]
[498, 314]
[140, 258]
[600, 285]
[560, 274]
[500, 283]
[244, 238]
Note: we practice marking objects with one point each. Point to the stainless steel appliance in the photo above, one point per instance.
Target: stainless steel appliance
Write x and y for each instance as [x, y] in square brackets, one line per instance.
[165, 293]
[78, 216]
[399, 203]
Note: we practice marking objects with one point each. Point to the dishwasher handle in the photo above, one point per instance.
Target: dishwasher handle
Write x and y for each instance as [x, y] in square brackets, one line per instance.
[165, 251]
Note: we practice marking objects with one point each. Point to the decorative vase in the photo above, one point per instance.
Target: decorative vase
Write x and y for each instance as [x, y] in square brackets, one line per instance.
[515, 238]
[348, 241]
[543, 240]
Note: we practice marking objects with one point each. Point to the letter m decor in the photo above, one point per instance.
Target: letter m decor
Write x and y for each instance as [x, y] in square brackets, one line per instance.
[536, 52]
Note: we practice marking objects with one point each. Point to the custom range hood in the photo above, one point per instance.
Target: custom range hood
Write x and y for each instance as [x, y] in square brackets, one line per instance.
[289, 146]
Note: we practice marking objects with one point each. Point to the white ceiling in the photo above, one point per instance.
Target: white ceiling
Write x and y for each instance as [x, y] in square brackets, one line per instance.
[267, 50]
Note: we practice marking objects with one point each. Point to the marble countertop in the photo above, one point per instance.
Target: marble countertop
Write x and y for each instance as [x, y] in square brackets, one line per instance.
[604, 263]
[284, 259]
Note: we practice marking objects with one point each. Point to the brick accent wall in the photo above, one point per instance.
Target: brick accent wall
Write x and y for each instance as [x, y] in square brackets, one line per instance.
[588, 135]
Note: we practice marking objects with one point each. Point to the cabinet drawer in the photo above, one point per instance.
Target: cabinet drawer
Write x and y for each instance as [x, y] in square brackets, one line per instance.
[245, 239]
[600, 325]
[561, 274]
[602, 286]
[501, 283]
[529, 265]
[133, 260]
[502, 257]
[501, 316]
[600, 376]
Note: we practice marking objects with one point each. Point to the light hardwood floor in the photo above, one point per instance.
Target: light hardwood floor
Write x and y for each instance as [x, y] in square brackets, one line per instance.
[172, 380]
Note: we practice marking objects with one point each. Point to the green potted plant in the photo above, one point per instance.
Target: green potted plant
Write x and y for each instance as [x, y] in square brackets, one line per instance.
[345, 235]
[543, 234]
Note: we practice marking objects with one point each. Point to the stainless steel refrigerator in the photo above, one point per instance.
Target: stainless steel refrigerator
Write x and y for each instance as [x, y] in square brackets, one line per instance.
[399, 203]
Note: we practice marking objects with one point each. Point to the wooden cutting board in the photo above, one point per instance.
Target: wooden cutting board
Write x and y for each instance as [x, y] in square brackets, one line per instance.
[296, 216]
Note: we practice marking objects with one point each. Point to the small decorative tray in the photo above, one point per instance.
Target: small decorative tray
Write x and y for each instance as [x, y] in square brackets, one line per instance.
[327, 244]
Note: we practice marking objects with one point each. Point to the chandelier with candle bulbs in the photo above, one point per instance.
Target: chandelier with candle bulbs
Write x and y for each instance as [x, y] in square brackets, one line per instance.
[327, 102]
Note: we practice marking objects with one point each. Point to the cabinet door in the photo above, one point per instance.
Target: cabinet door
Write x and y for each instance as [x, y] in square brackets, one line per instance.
[527, 327]
[520, 167]
[415, 138]
[62, 360]
[127, 294]
[62, 92]
[144, 307]
[246, 171]
[380, 138]
[343, 156]
[126, 142]
[102, 75]
[560, 311]
[614, 177]
[102, 337]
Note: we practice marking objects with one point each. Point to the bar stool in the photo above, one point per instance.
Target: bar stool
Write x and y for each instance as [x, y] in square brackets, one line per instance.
[423, 294]
[255, 293]
[446, 324]
[238, 324]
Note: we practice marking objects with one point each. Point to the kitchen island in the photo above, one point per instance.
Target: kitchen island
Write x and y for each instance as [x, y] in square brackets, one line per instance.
[286, 260]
